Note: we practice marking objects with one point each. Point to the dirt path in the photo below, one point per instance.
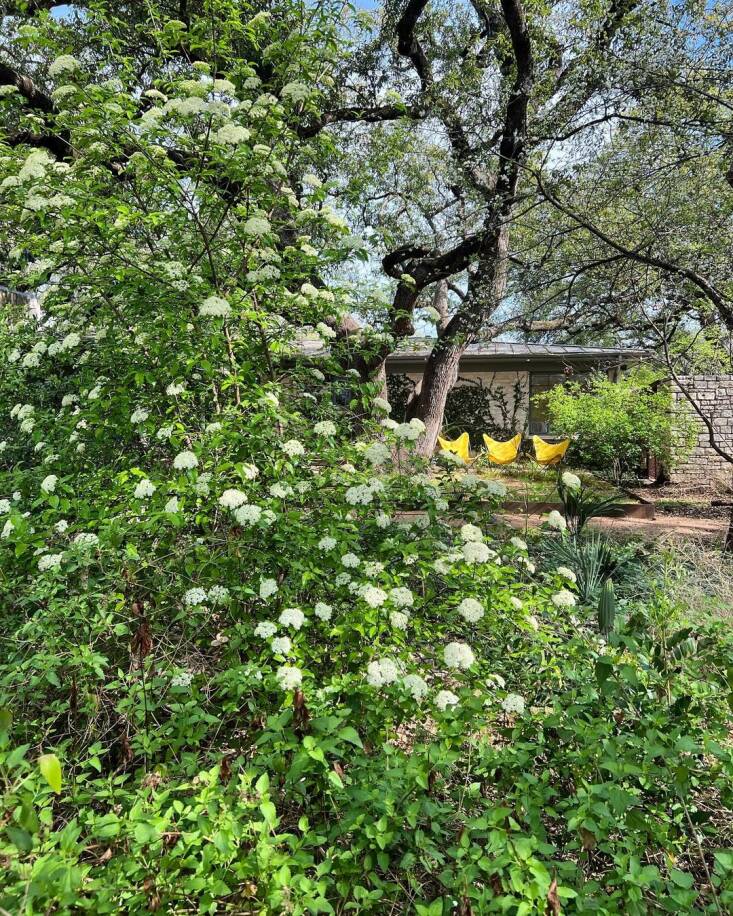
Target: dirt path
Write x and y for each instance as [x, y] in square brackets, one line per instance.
[708, 529]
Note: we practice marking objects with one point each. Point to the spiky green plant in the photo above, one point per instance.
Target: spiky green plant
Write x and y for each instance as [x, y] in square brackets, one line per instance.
[607, 608]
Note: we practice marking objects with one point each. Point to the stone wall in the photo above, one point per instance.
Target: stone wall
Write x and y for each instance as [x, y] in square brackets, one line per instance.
[714, 394]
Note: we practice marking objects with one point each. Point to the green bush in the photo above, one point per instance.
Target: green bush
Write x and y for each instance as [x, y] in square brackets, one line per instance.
[615, 424]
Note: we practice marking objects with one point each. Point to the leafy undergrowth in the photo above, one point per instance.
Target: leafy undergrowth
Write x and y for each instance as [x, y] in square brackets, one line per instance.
[540, 767]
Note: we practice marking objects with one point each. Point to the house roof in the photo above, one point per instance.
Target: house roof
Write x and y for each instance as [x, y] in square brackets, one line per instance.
[418, 349]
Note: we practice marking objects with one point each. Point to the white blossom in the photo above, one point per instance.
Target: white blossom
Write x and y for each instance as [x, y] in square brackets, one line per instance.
[247, 515]
[266, 629]
[444, 699]
[232, 134]
[215, 307]
[281, 645]
[194, 597]
[374, 597]
[140, 415]
[556, 521]
[86, 539]
[402, 597]
[50, 561]
[268, 587]
[63, 64]
[185, 461]
[458, 655]
[171, 507]
[513, 704]
[377, 453]
[471, 533]
[48, 484]
[232, 499]
[571, 481]
[415, 685]
[292, 448]
[476, 552]
[280, 490]
[323, 611]
[325, 428]
[326, 543]
[566, 573]
[564, 598]
[382, 671]
[292, 617]
[471, 610]
[519, 543]
[350, 560]
[382, 404]
[399, 620]
[144, 489]
[289, 677]
[218, 594]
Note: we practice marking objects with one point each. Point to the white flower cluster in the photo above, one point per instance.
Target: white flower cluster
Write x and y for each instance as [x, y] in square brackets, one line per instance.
[564, 598]
[363, 494]
[292, 617]
[48, 484]
[289, 677]
[555, 520]
[444, 699]
[458, 655]
[293, 448]
[377, 453]
[471, 533]
[571, 481]
[374, 597]
[185, 460]
[232, 499]
[471, 610]
[248, 515]
[268, 587]
[144, 489]
[382, 671]
[325, 428]
[411, 431]
[513, 704]
[215, 307]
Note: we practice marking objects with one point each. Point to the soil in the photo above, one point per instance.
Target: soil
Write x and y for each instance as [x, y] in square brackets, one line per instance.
[684, 501]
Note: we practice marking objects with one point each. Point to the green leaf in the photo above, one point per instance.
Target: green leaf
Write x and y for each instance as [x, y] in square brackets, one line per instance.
[50, 768]
[6, 719]
[351, 735]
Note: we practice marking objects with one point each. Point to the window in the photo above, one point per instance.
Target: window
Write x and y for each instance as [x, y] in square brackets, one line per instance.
[539, 424]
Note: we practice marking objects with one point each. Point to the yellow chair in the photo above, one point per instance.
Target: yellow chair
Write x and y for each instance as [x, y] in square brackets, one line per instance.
[549, 452]
[460, 446]
[502, 452]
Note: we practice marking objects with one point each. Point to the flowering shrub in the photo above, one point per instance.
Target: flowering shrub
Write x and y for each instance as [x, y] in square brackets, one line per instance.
[251, 663]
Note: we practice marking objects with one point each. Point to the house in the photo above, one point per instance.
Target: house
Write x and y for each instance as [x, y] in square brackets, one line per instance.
[497, 380]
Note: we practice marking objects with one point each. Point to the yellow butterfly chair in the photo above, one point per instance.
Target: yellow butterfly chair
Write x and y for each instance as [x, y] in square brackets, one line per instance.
[460, 446]
[549, 452]
[502, 452]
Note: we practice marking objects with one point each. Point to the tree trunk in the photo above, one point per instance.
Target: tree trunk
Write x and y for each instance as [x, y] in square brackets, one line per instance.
[487, 286]
[439, 376]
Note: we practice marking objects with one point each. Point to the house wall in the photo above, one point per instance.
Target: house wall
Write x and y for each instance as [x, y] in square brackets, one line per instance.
[501, 385]
[509, 387]
[714, 394]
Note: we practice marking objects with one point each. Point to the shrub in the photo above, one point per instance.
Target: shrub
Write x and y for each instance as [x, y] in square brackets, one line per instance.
[614, 424]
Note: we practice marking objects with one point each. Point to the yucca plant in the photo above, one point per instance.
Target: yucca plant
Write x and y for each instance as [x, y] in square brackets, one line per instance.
[593, 560]
[580, 505]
